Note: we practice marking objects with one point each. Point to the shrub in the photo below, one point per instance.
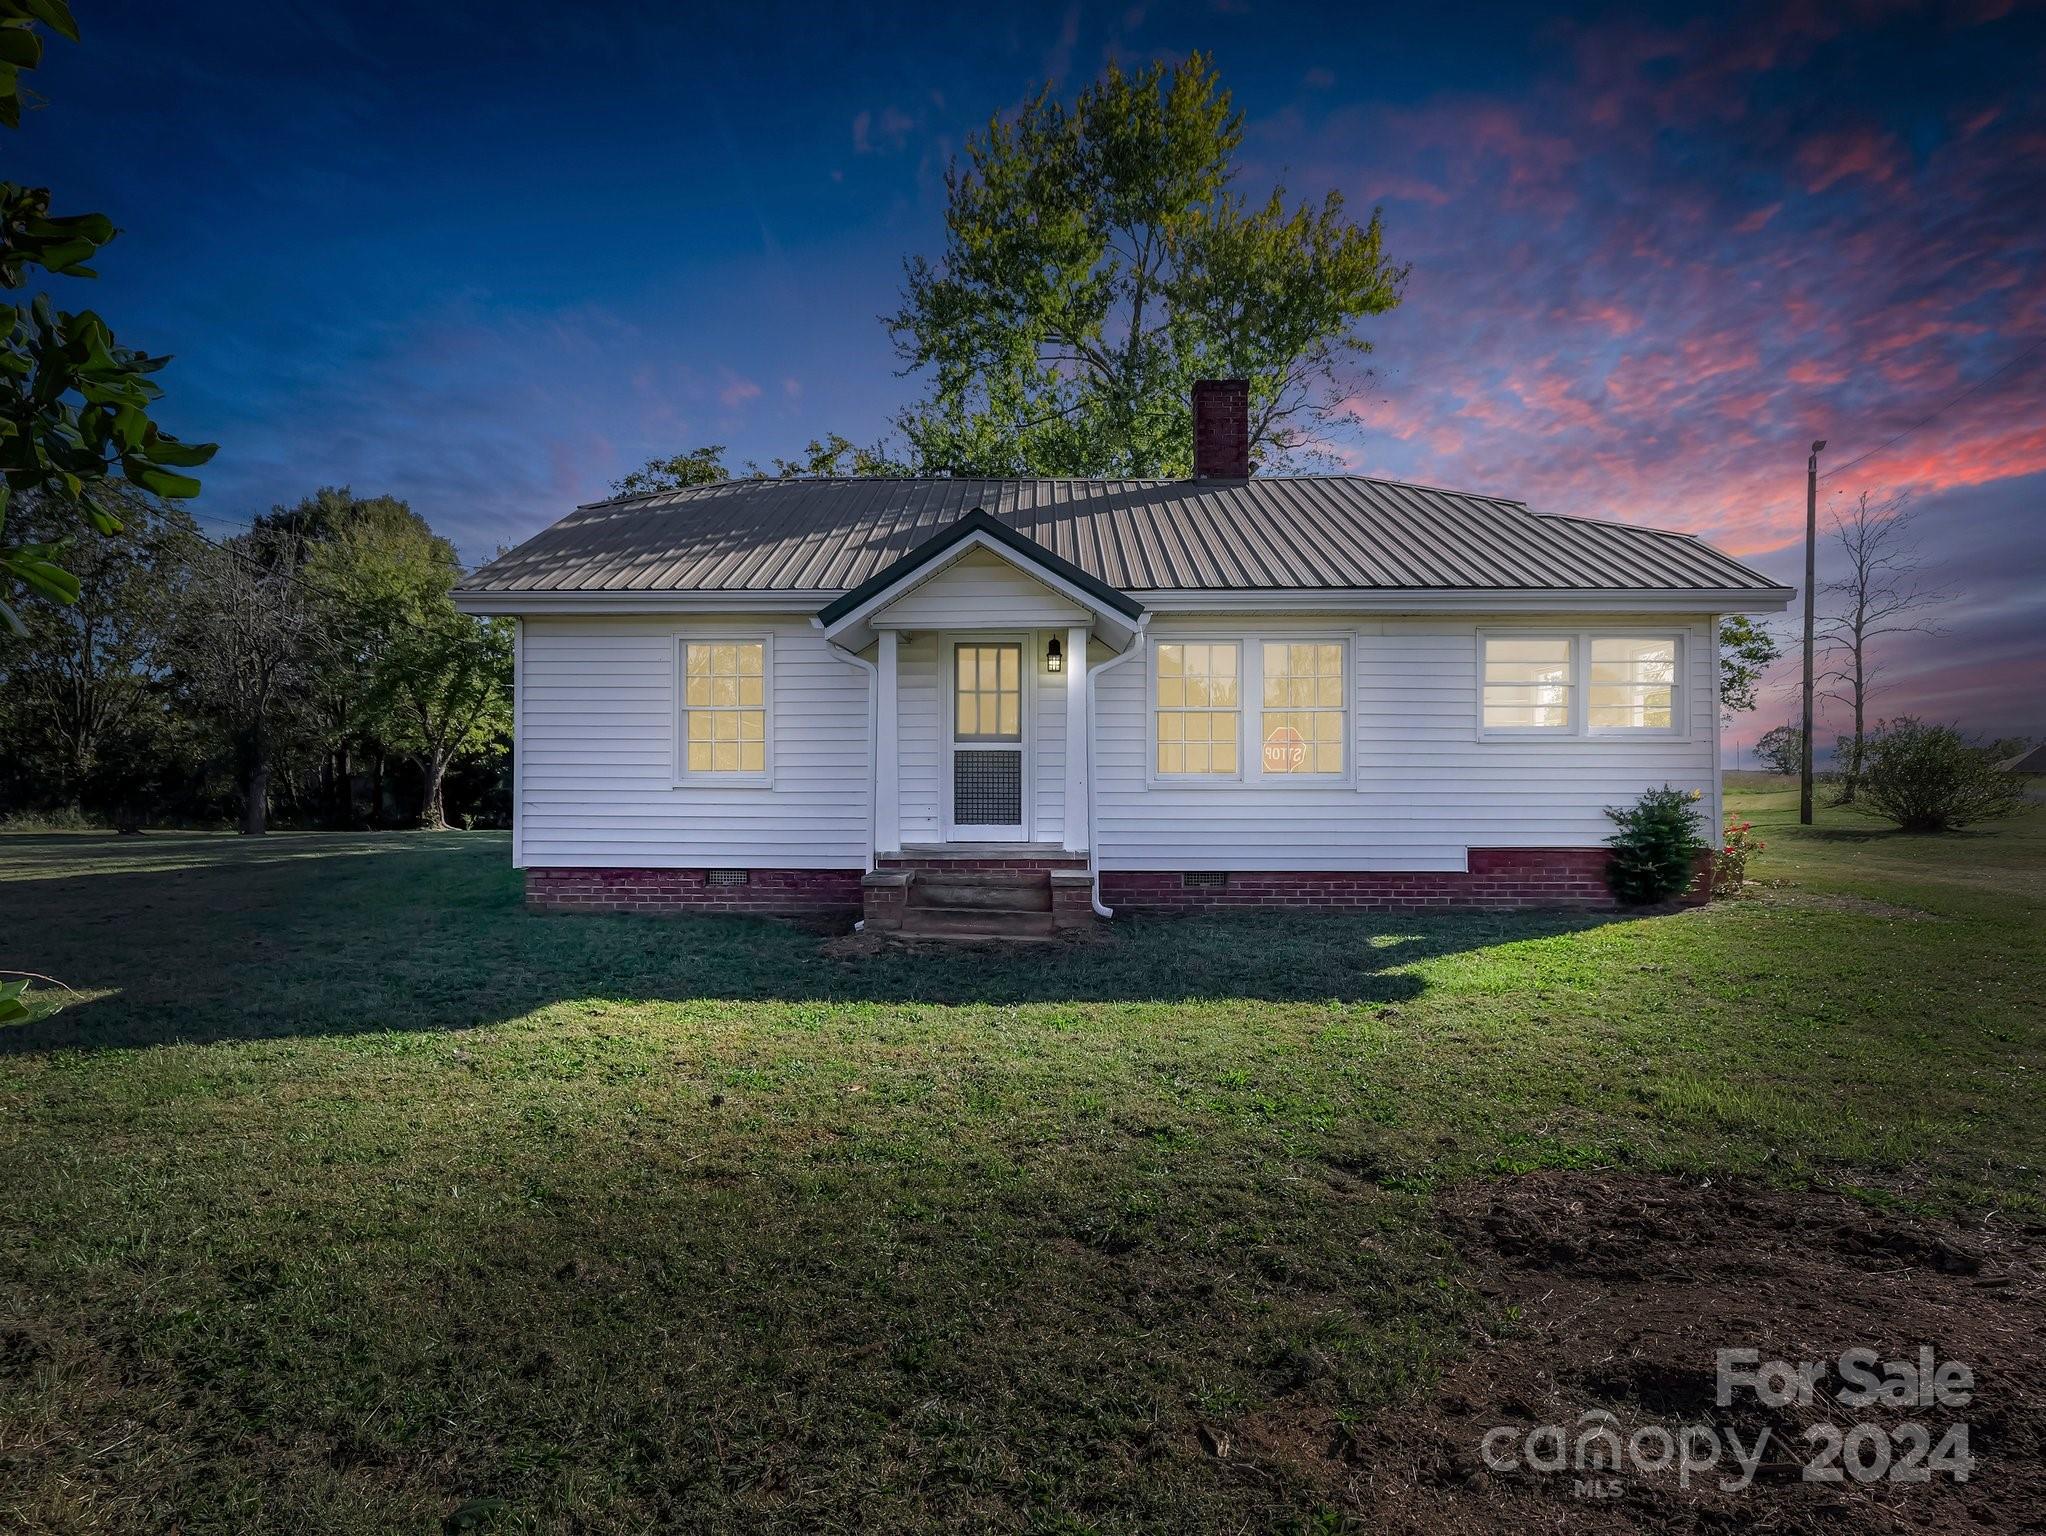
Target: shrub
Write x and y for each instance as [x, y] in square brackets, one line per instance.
[1931, 778]
[1730, 867]
[1655, 852]
[63, 819]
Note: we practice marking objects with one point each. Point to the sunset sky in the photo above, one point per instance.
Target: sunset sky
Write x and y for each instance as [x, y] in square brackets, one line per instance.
[488, 257]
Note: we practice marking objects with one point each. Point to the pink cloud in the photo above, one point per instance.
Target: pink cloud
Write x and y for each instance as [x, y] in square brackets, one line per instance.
[1757, 220]
[737, 391]
[1828, 158]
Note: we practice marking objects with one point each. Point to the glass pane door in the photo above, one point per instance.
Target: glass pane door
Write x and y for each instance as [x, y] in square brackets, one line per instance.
[987, 740]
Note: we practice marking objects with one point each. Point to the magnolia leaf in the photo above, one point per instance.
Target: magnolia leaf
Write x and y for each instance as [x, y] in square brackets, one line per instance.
[39, 574]
[12, 1009]
[55, 15]
[106, 522]
[167, 451]
[21, 47]
[160, 482]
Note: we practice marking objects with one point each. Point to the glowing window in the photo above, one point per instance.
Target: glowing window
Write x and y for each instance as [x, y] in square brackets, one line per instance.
[1633, 683]
[724, 707]
[1302, 726]
[1199, 702]
[1528, 682]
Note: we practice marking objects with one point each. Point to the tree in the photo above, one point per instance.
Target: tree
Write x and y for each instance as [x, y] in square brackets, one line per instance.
[1880, 595]
[335, 683]
[247, 629]
[74, 403]
[833, 454]
[1096, 264]
[437, 681]
[80, 710]
[699, 466]
[1930, 778]
[1746, 650]
[1781, 748]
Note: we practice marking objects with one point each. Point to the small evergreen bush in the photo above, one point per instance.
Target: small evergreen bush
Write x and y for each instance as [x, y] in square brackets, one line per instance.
[1931, 778]
[1655, 852]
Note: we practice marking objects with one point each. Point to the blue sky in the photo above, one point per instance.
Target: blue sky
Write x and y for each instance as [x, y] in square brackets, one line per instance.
[490, 257]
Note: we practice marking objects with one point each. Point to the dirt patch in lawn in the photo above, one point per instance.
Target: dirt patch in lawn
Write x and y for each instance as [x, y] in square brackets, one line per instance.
[1623, 1290]
[1833, 901]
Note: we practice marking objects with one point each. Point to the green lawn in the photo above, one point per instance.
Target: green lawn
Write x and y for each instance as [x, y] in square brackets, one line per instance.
[343, 1195]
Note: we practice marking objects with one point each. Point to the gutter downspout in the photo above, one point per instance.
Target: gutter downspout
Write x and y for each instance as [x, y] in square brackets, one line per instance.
[873, 743]
[1093, 846]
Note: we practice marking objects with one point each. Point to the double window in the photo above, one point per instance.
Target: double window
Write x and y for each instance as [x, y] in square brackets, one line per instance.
[1567, 684]
[1297, 712]
[725, 709]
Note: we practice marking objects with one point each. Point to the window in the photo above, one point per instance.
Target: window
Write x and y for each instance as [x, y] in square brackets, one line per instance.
[1583, 684]
[1302, 729]
[1529, 681]
[724, 708]
[1633, 683]
[987, 699]
[1198, 707]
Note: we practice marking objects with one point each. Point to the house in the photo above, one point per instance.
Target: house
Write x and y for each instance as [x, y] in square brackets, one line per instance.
[936, 699]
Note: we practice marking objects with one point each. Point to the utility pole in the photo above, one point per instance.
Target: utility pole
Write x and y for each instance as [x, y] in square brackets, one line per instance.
[1811, 608]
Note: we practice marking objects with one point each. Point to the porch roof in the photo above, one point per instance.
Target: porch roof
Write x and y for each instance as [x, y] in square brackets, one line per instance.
[1116, 615]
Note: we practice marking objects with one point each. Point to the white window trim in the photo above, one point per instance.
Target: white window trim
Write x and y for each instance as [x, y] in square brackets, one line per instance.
[679, 656]
[1580, 727]
[1250, 663]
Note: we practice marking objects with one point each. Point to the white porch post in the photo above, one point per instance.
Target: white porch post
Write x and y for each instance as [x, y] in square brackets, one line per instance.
[887, 753]
[1076, 738]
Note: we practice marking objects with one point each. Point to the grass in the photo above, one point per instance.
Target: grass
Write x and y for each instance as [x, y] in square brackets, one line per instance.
[343, 1195]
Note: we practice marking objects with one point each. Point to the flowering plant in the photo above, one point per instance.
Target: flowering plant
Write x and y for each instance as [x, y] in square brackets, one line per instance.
[1730, 869]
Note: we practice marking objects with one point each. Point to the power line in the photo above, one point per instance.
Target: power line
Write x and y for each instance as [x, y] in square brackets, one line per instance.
[1979, 384]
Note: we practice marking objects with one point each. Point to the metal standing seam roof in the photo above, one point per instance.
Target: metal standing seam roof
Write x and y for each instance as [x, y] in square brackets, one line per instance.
[1327, 532]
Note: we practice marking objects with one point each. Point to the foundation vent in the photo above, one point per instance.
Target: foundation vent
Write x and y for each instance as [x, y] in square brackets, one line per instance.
[726, 877]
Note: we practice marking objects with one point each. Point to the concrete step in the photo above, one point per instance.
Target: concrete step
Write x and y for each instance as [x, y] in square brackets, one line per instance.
[976, 923]
[969, 890]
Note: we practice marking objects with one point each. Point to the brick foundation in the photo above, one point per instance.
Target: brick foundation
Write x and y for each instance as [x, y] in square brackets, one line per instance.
[1497, 878]
[766, 891]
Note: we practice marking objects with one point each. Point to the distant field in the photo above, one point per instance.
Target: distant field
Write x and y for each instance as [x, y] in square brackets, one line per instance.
[344, 1195]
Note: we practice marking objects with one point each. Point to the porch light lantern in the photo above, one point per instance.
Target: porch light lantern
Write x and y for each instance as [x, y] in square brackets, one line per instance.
[1054, 658]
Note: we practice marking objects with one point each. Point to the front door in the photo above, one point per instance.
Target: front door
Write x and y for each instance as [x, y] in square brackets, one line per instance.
[988, 727]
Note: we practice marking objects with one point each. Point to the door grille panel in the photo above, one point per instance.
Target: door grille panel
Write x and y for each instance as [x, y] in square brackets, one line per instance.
[987, 788]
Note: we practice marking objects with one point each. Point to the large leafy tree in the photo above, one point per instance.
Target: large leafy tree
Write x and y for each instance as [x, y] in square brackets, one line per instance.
[437, 682]
[74, 403]
[1097, 262]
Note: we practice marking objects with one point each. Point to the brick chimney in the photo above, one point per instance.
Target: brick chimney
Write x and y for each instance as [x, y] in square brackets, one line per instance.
[1221, 420]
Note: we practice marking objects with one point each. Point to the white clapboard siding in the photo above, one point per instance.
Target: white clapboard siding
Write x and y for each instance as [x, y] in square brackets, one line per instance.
[979, 590]
[597, 756]
[1050, 726]
[597, 753]
[1426, 788]
[923, 756]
